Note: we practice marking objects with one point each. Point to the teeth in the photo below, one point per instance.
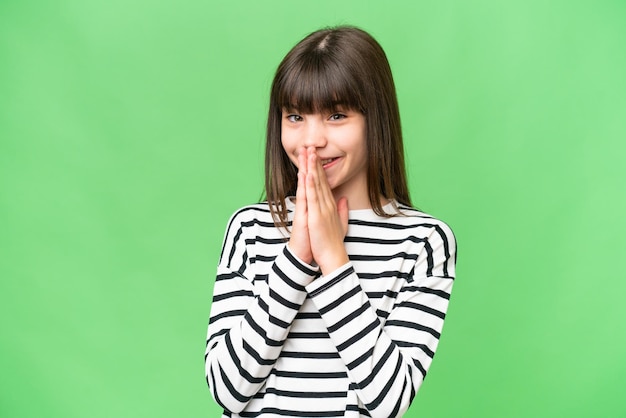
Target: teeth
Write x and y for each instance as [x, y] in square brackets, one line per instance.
[326, 161]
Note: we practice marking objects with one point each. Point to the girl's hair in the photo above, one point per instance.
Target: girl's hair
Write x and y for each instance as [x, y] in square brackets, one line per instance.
[341, 66]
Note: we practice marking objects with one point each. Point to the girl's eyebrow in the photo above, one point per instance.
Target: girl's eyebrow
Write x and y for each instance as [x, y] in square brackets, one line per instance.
[337, 106]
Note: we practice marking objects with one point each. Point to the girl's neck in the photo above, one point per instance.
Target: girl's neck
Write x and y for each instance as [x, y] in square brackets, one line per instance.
[361, 201]
[355, 202]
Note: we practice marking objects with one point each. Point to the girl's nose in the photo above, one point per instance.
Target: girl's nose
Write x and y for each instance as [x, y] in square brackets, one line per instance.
[315, 135]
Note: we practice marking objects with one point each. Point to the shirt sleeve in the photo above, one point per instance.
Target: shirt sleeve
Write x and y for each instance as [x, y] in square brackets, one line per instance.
[387, 363]
[247, 330]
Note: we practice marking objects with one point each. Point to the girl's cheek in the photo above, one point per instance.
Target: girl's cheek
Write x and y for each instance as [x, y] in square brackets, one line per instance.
[289, 147]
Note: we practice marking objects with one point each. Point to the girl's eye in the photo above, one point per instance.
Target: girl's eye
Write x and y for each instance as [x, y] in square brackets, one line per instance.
[294, 118]
[337, 116]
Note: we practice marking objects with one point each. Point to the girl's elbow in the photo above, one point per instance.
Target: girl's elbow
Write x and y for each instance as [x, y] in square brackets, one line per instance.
[223, 392]
[225, 399]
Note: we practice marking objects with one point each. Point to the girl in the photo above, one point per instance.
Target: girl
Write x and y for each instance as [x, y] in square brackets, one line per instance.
[330, 297]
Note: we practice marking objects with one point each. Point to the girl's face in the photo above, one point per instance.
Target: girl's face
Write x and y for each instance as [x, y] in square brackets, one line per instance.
[339, 139]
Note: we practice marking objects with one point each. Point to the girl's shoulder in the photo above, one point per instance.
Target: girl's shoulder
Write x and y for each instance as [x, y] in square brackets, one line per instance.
[253, 213]
[417, 215]
[396, 213]
[254, 224]
[403, 220]
[428, 226]
[253, 210]
[256, 218]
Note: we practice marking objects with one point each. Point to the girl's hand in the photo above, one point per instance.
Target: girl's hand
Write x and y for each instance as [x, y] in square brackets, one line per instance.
[327, 220]
[299, 240]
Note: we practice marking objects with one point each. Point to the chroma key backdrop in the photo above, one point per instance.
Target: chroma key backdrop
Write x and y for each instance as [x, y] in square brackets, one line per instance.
[130, 131]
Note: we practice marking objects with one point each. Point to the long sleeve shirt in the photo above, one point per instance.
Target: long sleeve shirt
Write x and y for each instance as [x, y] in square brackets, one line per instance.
[284, 340]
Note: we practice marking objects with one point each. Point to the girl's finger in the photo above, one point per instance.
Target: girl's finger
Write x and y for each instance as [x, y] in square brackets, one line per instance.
[342, 210]
[300, 215]
[299, 241]
[322, 188]
[311, 180]
[312, 162]
[300, 198]
[302, 160]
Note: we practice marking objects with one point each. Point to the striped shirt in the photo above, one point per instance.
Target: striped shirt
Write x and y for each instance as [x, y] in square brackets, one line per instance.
[354, 343]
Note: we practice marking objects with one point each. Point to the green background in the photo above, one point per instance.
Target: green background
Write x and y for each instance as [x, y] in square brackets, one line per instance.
[131, 130]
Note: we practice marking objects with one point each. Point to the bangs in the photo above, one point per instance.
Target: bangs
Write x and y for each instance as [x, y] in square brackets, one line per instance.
[318, 84]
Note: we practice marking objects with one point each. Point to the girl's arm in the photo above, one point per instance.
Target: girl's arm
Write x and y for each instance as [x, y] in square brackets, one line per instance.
[387, 364]
[246, 332]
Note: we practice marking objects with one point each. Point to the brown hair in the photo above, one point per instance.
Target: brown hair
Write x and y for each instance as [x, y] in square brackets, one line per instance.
[342, 65]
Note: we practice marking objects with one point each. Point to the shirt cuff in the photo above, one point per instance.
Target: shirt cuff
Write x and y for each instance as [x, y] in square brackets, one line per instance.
[299, 271]
[322, 283]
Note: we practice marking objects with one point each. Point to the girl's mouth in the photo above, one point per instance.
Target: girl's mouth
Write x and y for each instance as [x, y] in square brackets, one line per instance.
[327, 162]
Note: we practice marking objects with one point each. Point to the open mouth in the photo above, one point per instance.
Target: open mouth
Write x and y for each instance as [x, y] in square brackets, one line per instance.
[327, 162]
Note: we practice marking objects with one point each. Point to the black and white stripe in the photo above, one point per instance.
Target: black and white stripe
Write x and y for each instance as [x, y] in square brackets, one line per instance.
[285, 341]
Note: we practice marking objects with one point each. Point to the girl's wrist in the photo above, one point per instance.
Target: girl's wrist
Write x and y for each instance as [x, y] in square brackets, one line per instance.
[303, 256]
[332, 264]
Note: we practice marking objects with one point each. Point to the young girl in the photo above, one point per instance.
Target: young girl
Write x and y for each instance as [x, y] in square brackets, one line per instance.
[330, 297]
